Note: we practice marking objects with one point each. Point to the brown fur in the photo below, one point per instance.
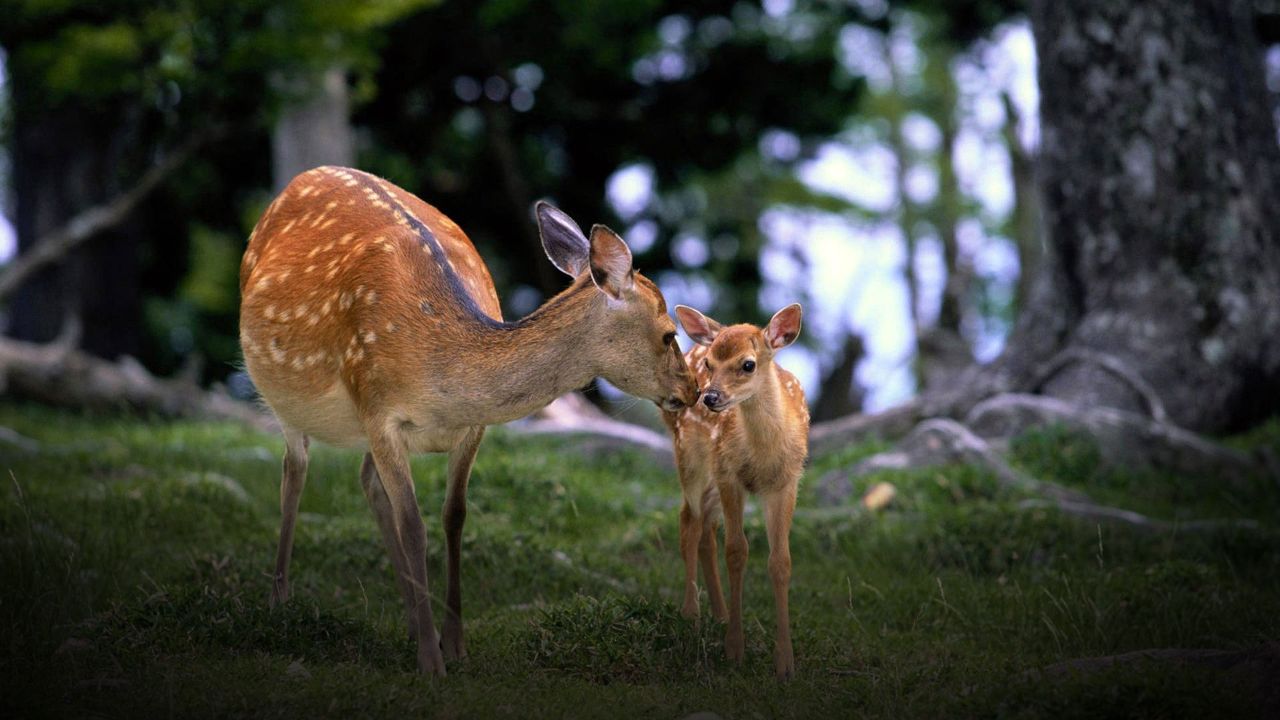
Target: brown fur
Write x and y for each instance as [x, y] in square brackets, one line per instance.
[756, 444]
[369, 320]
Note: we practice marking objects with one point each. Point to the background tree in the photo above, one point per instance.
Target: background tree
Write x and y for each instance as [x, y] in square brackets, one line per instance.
[1159, 168]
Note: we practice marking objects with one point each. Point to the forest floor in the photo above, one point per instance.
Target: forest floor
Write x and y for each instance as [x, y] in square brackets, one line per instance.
[135, 562]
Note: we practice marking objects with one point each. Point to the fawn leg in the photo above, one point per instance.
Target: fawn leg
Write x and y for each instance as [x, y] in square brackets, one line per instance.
[735, 553]
[778, 508]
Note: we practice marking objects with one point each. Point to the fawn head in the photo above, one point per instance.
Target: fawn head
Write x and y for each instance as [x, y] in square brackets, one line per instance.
[633, 337]
[740, 355]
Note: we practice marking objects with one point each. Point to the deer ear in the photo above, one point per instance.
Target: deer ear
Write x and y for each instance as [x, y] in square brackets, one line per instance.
[700, 328]
[610, 262]
[563, 241]
[784, 327]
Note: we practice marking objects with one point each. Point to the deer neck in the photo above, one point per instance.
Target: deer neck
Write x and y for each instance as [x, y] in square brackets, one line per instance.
[520, 367]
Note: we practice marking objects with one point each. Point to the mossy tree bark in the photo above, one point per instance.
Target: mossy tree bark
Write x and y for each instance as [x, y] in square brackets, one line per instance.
[1160, 171]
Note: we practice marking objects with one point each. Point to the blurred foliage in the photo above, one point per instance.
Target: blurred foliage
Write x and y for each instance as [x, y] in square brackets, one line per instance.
[479, 107]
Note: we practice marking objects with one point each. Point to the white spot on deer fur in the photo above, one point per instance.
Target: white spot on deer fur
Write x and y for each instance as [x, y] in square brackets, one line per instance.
[289, 225]
[333, 270]
[324, 309]
[391, 327]
[308, 269]
[387, 247]
[371, 297]
[345, 301]
[370, 337]
[306, 190]
[283, 276]
[313, 320]
[278, 355]
[328, 222]
[298, 363]
[331, 205]
[346, 238]
[269, 312]
[359, 291]
[319, 218]
[426, 249]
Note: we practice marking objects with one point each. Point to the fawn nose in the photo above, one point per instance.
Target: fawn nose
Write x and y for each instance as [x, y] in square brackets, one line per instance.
[711, 398]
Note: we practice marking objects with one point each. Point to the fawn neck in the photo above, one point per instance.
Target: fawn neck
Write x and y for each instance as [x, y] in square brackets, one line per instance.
[762, 413]
[516, 368]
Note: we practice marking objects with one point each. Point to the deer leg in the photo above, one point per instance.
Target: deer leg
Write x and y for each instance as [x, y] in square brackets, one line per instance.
[293, 478]
[381, 507]
[392, 461]
[778, 509]
[735, 552]
[461, 458]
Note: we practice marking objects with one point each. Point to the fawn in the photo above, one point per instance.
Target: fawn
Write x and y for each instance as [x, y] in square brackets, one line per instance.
[750, 434]
[369, 320]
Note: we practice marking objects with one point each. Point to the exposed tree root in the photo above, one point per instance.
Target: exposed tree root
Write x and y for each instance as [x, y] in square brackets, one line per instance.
[58, 374]
[1111, 515]
[1122, 437]
[1113, 365]
[941, 441]
[887, 424]
[1251, 671]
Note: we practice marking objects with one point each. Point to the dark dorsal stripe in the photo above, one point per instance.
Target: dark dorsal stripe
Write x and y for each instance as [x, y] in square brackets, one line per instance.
[451, 277]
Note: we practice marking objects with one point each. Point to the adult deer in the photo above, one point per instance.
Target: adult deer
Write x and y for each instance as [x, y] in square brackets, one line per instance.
[749, 435]
[369, 320]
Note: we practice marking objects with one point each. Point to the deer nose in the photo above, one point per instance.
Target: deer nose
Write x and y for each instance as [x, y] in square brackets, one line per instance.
[711, 398]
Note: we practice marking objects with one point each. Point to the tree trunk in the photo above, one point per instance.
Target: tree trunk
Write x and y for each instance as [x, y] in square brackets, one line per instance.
[63, 163]
[841, 393]
[1160, 168]
[314, 132]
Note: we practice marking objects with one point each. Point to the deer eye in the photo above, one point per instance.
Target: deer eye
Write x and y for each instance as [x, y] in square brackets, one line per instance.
[669, 338]
[749, 366]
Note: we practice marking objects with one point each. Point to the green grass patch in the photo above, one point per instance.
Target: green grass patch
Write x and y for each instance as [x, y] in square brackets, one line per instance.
[135, 558]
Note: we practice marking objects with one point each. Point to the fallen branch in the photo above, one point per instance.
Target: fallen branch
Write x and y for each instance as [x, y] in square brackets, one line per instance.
[57, 374]
[55, 245]
[574, 415]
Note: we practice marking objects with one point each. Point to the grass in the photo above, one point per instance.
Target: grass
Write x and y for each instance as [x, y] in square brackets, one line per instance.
[135, 559]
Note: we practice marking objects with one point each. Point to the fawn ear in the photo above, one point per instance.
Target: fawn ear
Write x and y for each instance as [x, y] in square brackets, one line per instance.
[563, 241]
[700, 328]
[610, 262]
[784, 328]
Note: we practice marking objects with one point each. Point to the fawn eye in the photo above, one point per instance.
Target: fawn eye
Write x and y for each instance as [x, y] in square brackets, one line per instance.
[669, 338]
[749, 366]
